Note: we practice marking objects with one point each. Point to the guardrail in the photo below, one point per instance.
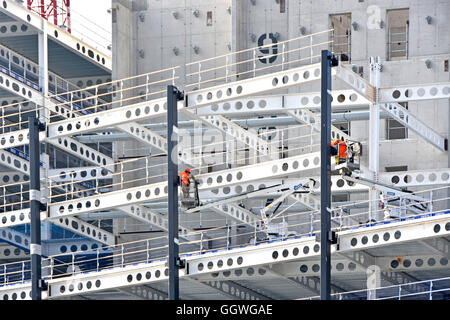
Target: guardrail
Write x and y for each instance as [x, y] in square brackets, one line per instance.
[302, 224]
[434, 289]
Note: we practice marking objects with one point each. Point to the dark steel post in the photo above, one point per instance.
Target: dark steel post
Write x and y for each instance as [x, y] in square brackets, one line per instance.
[325, 178]
[35, 207]
[173, 96]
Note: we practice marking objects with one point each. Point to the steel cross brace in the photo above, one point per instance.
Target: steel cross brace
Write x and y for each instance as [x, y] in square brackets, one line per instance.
[439, 245]
[144, 135]
[20, 217]
[67, 144]
[238, 214]
[149, 216]
[235, 291]
[414, 178]
[307, 117]
[406, 118]
[145, 293]
[252, 140]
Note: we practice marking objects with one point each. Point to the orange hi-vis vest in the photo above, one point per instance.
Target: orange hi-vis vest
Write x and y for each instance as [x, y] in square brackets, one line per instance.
[342, 147]
[185, 178]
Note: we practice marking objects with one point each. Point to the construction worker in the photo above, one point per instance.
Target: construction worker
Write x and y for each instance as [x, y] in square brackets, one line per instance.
[185, 177]
[339, 149]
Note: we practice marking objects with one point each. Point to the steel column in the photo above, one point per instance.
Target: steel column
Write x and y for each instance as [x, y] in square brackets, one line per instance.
[35, 205]
[173, 96]
[374, 137]
[325, 178]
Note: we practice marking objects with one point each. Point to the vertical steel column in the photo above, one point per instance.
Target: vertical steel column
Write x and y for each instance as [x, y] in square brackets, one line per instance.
[35, 205]
[325, 178]
[173, 96]
[374, 139]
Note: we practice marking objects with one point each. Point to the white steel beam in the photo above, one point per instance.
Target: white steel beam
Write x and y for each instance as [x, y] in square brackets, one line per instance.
[20, 217]
[8, 252]
[15, 29]
[14, 162]
[413, 263]
[19, 86]
[355, 81]
[415, 92]
[85, 229]
[416, 178]
[395, 232]
[254, 86]
[109, 118]
[78, 174]
[17, 239]
[156, 191]
[307, 199]
[144, 135]
[82, 151]
[12, 177]
[274, 104]
[88, 81]
[67, 144]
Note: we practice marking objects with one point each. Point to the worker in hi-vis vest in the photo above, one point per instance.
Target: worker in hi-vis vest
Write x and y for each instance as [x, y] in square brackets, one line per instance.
[185, 177]
[339, 149]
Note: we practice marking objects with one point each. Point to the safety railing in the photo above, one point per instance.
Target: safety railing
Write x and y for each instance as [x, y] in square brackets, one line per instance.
[390, 208]
[14, 197]
[253, 62]
[434, 289]
[16, 272]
